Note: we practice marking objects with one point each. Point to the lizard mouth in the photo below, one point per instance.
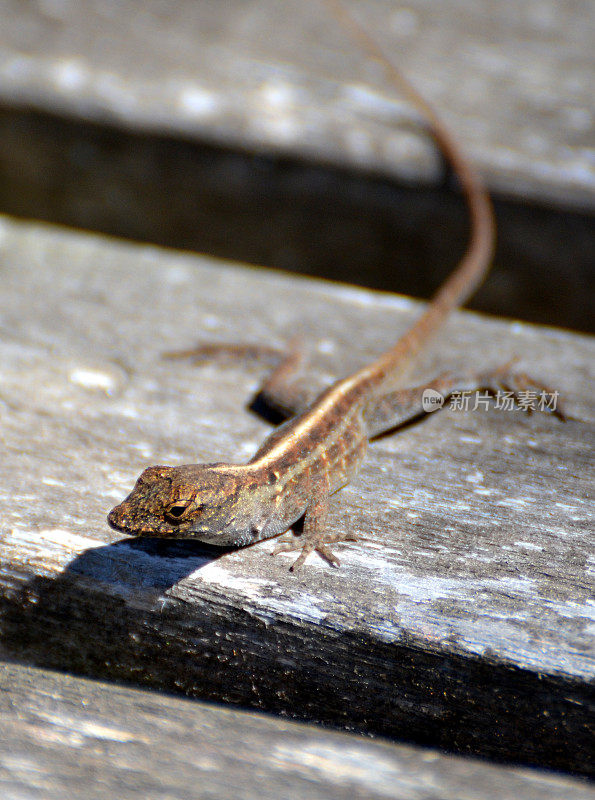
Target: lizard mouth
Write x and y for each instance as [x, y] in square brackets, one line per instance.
[119, 521]
[116, 521]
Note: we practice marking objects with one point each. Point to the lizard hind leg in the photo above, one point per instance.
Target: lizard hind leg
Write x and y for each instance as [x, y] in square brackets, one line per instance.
[282, 392]
[397, 408]
[282, 389]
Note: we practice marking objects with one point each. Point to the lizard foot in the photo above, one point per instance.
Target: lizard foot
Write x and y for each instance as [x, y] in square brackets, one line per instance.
[529, 394]
[310, 545]
[322, 549]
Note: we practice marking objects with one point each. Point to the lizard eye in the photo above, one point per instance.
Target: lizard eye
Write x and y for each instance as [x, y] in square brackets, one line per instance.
[175, 512]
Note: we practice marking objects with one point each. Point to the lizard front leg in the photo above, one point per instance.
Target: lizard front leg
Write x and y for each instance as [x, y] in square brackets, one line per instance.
[314, 537]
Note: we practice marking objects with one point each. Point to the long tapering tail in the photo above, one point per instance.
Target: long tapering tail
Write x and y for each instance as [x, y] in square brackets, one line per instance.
[477, 258]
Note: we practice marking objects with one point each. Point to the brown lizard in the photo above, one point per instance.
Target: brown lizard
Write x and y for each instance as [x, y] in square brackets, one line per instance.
[317, 452]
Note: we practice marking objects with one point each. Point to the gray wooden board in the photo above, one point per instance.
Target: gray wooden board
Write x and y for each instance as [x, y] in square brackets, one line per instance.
[67, 737]
[463, 618]
[514, 81]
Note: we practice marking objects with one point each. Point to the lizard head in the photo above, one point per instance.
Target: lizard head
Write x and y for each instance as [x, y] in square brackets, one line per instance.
[210, 502]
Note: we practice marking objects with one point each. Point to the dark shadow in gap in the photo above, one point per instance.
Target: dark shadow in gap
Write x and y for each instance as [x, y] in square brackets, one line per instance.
[287, 214]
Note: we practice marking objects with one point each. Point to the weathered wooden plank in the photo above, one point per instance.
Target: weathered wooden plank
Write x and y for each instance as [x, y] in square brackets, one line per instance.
[67, 737]
[283, 77]
[462, 619]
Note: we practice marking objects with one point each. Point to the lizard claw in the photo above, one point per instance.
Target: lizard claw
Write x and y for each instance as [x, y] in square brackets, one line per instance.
[307, 547]
[523, 387]
[285, 543]
[322, 549]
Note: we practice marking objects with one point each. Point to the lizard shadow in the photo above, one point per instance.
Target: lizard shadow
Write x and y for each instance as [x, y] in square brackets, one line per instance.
[144, 563]
[99, 599]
